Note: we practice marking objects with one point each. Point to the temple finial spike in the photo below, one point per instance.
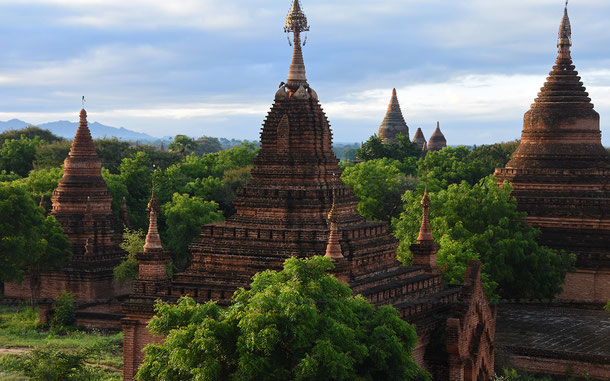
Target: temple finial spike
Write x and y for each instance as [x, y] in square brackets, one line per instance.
[564, 41]
[296, 23]
[153, 240]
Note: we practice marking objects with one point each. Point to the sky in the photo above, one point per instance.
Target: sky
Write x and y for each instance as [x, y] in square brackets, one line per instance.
[212, 67]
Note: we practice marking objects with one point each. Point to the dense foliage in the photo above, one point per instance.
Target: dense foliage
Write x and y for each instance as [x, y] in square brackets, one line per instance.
[64, 310]
[454, 165]
[481, 222]
[379, 185]
[29, 240]
[402, 150]
[133, 243]
[296, 324]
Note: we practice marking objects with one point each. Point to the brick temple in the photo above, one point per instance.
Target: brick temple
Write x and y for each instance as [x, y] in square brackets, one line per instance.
[437, 140]
[561, 176]
[560, 173]
[297, 206]
[82, 206]
[394, 122]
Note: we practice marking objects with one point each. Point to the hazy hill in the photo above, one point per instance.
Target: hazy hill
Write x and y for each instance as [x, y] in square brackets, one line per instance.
[67, 129]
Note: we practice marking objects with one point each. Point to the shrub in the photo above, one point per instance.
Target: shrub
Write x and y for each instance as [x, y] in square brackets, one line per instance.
[65, 310]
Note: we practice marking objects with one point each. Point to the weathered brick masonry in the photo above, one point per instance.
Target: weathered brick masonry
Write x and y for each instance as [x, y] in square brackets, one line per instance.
[283, 212]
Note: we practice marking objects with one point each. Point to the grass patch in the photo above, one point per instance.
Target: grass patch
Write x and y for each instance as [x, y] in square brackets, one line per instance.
[20, 328]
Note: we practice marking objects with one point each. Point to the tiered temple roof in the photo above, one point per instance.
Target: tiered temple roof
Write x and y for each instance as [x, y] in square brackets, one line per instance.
[297, 206]
[394, 122]
[560, 173]
[82, 205]
[437, 141]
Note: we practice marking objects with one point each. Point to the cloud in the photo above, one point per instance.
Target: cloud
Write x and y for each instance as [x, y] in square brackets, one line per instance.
[152, 14]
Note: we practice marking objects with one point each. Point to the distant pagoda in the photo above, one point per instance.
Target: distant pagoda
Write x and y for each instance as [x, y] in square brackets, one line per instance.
[561, 176]
[437, 141]
[394, 122]
[297, 206]
[420, 139]
[82, 205]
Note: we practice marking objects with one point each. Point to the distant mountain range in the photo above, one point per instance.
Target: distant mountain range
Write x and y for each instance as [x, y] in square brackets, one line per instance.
[67, 130]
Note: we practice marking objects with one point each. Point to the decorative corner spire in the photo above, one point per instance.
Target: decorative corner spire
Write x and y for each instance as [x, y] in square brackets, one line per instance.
[425, 232]
[153, 240]
[124, 212]
[333, 248]
[296, 23]
[564, 41]
[41, 204]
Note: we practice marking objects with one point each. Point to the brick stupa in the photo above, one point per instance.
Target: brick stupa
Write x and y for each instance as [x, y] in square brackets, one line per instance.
[561, 176]
[297, 206]
[420, 139]
[82, 205]
[394, 122]
[437, 140]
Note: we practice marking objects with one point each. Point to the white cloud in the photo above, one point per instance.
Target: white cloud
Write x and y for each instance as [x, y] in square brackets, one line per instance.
[151, 14]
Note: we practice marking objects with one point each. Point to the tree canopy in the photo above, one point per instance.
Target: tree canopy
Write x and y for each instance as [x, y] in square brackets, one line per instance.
[29, 240]
[379, 185]
[296, 324]
[17, 155]
[481, 222]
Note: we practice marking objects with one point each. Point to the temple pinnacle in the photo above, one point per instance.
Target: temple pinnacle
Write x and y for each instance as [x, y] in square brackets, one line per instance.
[296, 22]
[564, 41]
[425, 232]
[153, 240]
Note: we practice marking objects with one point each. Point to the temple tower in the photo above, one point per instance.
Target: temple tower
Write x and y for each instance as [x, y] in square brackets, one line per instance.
[560, 174]
[420, 139]
[437, 141]
[297, 206]
[394, 122]
[82, 205]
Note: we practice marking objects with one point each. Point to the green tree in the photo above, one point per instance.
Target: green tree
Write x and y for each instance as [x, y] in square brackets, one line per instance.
[452, 165]
[133, 243]
[379, 185]
[206, 144]
[183, 145]
[29, 240]
[30, 132]
[296, 324]
[402, 150]
[112, 152]
[117, 189]
[481, 222]
[51, 155]
[136, 174]
[17, 155]
[184, 216]
[42, 182]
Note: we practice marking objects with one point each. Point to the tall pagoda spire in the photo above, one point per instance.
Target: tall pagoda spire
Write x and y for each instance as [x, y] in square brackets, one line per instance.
[561, 129]
[394, 122]
[564, 41]
[82, 181]
[296, 23]
[424, 249]
[153, 240]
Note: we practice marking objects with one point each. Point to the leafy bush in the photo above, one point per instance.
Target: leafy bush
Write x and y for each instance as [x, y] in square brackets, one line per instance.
[65, 310]
[133, 243]
[299, 323]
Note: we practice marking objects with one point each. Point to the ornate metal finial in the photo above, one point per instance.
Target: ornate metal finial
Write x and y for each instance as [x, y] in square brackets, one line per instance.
[153, 203]
[296, 23]
[83, 102]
